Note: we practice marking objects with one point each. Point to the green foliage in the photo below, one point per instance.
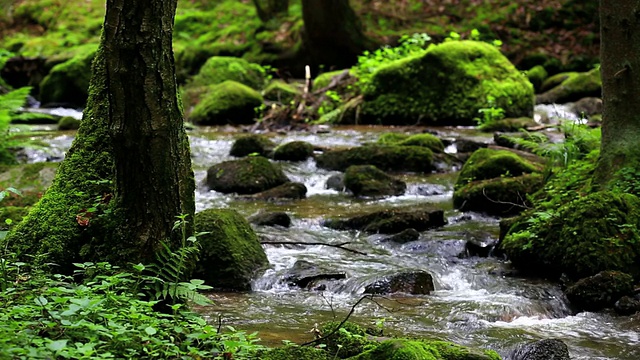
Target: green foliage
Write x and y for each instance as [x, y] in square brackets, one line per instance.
[491, 113]
[349, 340]
[9, 105]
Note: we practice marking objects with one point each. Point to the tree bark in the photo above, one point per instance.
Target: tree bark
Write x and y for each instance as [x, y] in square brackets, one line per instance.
[620, 71]
[271, 9]
[128, 174]
[333, 33]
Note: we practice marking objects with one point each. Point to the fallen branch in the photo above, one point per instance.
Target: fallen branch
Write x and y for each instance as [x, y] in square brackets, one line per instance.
[339, 246]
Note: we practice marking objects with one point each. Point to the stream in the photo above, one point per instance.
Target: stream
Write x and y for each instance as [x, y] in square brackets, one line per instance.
[474, 303]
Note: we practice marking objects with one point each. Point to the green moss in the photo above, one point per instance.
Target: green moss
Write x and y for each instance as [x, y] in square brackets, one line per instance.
[427, 140]
[498, 196]
[219, 69]
[249, 175]
[446, 85]
[252, 144]
[69, 82]
[508, 125]
[230, 254]
[400, 349]
[323, 80]
[391, 138]
[386, 158]
[348, 341]
[280, 91]
[293, 151]
[68, 123]
[30, 179]
[555, 80]
[489, 163]
[368, 180]
[11, 215]
[599, 291]
[227, 103]
[537, 75]
[294, 353]
[575, 87]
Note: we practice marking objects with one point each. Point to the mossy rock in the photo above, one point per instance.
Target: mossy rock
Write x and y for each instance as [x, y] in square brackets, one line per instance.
[227, 103]
[288, 190]
[392, 138]
[368, 180]
[600, 291]
[249, 175]
[271, 218]
[537, 75]
[386, 158]
[349, 341]
[68, 83]
[253, 144]
[575, 87]
[427, 140]
[555, 80]
[231, 255]
[323, 80]
[405, 349]
[32, 180]
[508, 125]
[583, 237]
[68, 123]
[490, 163]
[293, 151]
[219, 69]
[280, 91]
[446, 85]
[390, 221]
[501, 196]
[294, 353]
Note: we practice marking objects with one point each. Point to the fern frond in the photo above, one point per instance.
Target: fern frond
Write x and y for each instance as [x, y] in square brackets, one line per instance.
[13, 100]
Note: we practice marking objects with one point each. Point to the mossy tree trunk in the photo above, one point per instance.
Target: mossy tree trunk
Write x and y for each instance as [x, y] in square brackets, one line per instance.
[128, 174]
[333, 33]
[620, 71]
[271, 9]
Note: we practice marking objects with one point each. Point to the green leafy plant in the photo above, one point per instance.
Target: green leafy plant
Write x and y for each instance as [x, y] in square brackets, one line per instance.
[491, 113]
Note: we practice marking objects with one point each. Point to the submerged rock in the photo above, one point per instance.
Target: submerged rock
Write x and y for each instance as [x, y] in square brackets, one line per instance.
[600, 291]
[368, 180]
[249, 175]
[231, 255]
[271, 218]
[252, 144]
[404, 236]
[548, 349]
[390, 221]
[386, 158]
[414, 283]
[293, 151]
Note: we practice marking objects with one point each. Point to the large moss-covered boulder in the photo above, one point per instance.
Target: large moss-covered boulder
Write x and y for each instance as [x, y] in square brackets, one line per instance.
[427, 140]
[446, 85]
[291, 352]
[293, 151]
[230, 255]
[583, 237]
[575, 87]
[600, 291]
[368, 180]
[68, 82]
[252, 144]
[491, 163]
[227, 103]
[405, 349]
[219, 69]
[249, 175]
[390, 221]
[498, 196]
[386, 158]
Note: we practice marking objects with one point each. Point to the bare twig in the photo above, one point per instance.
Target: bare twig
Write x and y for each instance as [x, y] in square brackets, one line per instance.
[339, 246]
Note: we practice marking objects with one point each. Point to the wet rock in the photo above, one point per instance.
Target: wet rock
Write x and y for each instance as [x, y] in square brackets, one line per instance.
[304, 274]
[479, 244]
[271, 218]
[368, 180]
[231, 255]
[249, 175]
[288, 190]
[293, 151]
[252, 144]
[390, 221]
[430, 190]
[385, 158]
[335, 182]
[68, 123]
[491, 163]
[587, 106]
[468, 146]
[404, 236]
[415, 283]
[508, 125]
[600, 291]
[627, 305]
[548, 349]
[575, 87]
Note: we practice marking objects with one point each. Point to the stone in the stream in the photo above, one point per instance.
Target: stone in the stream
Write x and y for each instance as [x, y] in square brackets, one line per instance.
[548, 349]
[390, 221]
[293, 151]
[415, 283]
[600, 291]
[404, 236]
[491, 163]
[249, 175]
[252, 144]
[479, 244]
[306, 275]
[335, 182]
[368, 180]
[288, 190]
[271, 218]
[574, 87]
[384, 157]
[430, 190]
[231, 255]
[627, 305]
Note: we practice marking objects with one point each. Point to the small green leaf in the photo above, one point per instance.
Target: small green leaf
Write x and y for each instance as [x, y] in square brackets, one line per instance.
[41, 300]
[150, 330]
[57, 345]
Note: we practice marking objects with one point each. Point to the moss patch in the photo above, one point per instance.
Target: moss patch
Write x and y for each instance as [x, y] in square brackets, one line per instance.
[489, 163]
[69, 82]
[280, 91]
[427, 140]
[386, 158]
[368, 180]
[249, 175]
[219, 69]
[575, 87]
[252, 144]
[227, 103]
[293, 151]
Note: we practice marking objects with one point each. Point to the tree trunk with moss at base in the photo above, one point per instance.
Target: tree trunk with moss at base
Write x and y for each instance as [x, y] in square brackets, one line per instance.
[620, 71]
[128, 173]
[333, 33]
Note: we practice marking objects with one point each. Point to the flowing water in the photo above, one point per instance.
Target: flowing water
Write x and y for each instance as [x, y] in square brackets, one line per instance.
[474, 302]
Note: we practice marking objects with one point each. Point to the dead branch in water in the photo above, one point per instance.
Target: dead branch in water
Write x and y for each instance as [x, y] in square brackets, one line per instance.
[339, 246]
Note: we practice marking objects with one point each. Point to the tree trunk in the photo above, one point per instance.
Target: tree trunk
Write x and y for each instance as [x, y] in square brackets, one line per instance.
[620, 70]
[131, 146]
[271, 9]
[333, 33]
